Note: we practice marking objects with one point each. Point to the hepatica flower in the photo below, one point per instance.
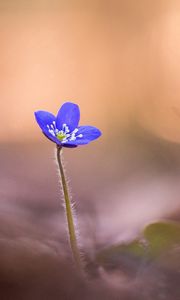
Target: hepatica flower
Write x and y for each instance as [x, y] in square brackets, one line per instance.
[63, 129]
[65, 132]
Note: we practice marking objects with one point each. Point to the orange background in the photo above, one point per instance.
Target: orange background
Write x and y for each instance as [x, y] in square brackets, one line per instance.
[120, 61]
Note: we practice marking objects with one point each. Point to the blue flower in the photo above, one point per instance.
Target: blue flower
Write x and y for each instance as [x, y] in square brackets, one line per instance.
[63, 129]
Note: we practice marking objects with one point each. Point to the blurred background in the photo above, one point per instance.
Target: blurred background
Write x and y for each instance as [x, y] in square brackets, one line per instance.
[119, 60]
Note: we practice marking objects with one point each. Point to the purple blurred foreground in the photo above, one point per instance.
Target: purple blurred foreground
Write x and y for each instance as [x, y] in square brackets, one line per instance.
[116, 193]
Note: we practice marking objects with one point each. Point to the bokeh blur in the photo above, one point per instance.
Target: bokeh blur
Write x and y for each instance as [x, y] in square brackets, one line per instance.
[119, 60]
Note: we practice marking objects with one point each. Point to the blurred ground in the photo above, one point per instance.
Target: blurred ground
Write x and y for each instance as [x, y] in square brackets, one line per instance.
[119, 60]
[114, 203]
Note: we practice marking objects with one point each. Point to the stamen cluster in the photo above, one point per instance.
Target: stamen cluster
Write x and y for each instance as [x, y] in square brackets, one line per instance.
[63, 135]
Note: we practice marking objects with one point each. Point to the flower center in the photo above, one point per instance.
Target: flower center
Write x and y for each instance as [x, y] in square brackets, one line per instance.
[63, 135]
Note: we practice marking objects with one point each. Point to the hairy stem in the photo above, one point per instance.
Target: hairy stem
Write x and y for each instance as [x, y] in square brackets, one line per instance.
[69, 213]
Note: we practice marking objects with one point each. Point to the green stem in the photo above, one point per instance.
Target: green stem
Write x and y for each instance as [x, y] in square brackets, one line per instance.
[69, 213]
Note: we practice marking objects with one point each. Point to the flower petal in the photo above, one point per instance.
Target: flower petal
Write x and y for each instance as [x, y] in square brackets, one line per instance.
[52, 138]
[89, 133]
[68, 114]
[69, 145]
[43, 119]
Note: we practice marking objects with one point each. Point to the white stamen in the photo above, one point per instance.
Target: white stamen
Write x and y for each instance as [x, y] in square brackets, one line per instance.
[80, 135]
[64, 141]
[75, 130]
[52, 132]
[72, 138]
[65, 128]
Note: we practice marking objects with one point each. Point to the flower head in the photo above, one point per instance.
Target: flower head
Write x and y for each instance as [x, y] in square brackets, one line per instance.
[63, 129]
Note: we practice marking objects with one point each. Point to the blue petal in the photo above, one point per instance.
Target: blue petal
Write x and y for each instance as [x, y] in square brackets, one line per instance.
[89, 133]
[43, 119]
[52, 138]
[68, 114]
[69, 146]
